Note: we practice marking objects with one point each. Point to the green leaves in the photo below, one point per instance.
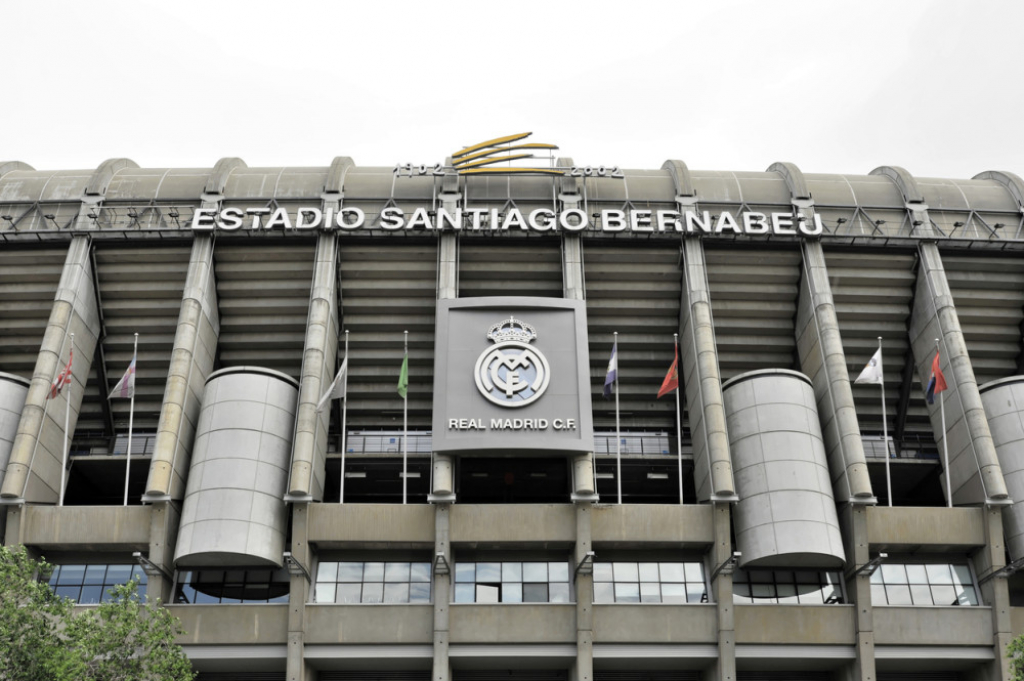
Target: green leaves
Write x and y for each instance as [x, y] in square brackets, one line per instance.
[43, 639]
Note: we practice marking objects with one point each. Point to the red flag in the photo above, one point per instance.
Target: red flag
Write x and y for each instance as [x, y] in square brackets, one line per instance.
[937, 383]
[63, 379]
[671, 381]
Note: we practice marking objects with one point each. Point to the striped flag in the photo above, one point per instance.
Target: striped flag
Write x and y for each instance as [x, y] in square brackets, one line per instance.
[937, 383]
[613, 371]
[125, 388]
[63, 379]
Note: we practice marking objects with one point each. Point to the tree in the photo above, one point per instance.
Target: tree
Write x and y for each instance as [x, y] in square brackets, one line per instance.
[43, 639]
[1015, 651]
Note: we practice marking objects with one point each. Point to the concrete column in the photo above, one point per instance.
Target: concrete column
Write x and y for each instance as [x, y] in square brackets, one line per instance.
[973, 464]
[442, 593]
[995, 592]
[34, 469]
[721, 589]
[854, 520]
[702, 380]
[584, 668]
[192, 357]
[823, 360]
[447, 289]
[573, 288]
[309, 452]
[298, 595]
[163, 536]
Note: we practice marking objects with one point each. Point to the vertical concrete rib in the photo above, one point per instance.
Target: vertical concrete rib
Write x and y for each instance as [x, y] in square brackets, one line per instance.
[574, 288]
[442, 592]
[34, 469]
[584, 669]
[822, 359]
[712, 462]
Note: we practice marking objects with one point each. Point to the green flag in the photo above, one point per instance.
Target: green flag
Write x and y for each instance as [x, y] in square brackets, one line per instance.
[403, 378]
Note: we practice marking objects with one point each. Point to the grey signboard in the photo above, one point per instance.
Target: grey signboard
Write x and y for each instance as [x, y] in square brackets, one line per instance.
[512, 376]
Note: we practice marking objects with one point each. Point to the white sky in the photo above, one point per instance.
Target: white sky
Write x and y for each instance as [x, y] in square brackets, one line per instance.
[841, 87]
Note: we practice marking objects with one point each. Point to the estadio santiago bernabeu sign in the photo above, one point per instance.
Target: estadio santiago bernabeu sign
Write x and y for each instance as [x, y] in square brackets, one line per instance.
[512, 375]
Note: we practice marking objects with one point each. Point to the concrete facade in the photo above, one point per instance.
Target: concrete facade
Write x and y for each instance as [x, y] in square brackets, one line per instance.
[912, 259]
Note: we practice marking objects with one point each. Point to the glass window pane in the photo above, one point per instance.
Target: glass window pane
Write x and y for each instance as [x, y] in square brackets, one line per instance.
[741, 593]
[487, 594]
[373, 592]
[962, 575]
[559, 593]
[878, 596]
[94, 574]
[464, 593]
[939, 574]
[944, 595]
[604, 592]
[893, 573]
[810, 594]
[419, 592]
[535, 572]
[350, 572]
[324, 593]
[535, 593]
[673, 572]
[91, 594]
[761, 577]
[916, 574]
[373, 572]
[327, 572]
[831, 594]
[512, 592]
[967, 596]
[626, 572]
[71, 574]
[649, 572]
[695, 593]
[921, 594]
[488, 572]
[465, 572]
[898, 594]
[396, 593]
[602, 572]
[694, 572]
[876, 577]
[511, 572]
[56, 573]
[761, 592]
[419, 572]
[348, 593]
[558, 571]
[626, 592]
[786, 593]
[650, 592]
[676, 593]
[118, 574]
[396, 572]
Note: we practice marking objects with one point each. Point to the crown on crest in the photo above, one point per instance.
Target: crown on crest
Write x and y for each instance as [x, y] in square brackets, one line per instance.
[512, 329]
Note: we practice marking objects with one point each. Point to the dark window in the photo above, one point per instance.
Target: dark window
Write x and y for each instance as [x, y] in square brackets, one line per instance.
[86, 584]
[263, 585]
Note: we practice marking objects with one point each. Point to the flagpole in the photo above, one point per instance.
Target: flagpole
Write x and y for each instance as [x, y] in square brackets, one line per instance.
[945, 443]
[679, 422]
[131, 419]
[344, 432]
[67, 421]
[405, 430]
[885, 429]
[618, 434]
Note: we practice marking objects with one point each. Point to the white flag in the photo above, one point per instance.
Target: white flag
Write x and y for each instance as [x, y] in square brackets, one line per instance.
[336, 389]
[872, 370]
[125, 388]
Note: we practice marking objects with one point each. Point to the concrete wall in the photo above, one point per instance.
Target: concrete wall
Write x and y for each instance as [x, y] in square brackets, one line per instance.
[513, 623]
[655, 623]
[371, 524]
[510, 523]
[936, 625]
[902, 528]
[1004, 406]
[87, 527]
[673, 525]
[807, 624]
[376, 624]
[252, 624]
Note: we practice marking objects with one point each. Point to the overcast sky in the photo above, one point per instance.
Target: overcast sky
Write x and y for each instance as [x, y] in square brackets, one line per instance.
[843, 87]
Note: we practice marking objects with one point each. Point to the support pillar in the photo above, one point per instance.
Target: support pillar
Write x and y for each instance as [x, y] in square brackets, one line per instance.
[442, 592]
[854, 519]
[37, 455]
[724, 668]
[298, 594]
[443, 475]
[584, 668]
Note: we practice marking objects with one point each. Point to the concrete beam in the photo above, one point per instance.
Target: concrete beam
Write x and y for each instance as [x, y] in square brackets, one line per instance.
[36, 463]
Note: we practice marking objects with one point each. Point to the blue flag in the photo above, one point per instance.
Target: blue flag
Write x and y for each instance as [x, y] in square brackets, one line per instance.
[613, 371]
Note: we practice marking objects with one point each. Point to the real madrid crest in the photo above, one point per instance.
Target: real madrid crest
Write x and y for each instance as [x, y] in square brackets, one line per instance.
[512, 373]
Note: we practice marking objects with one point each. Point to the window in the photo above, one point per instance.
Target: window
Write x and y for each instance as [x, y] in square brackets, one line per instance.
[787, 586]
[87, 584]
[232, 586]
[372, 582]
[649, 582]
[512, 582]
[923, 584]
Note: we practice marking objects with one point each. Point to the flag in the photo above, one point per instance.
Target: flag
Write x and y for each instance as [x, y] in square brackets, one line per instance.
[671, 381]
[937, 383]
[403, 377]
[63, 379]
[872, 370]
[125, 388]
[336, 389]
[613, 371]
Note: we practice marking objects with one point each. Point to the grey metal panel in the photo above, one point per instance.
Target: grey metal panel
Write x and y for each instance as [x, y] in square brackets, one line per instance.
[1004, 406]
[105, 172]
[786, 515]
[221, 173]
[281, 183]
[13, 390]
[233, 513]
[10, 166]
[141, 185]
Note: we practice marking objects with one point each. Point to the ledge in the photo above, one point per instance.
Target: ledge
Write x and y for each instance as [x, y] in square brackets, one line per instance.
[83, 528]
[655, 623]
[910, 528]
[682, 526]
[796, 624]
[378, 624]
[372, 525]
[513, 623]
[232, 624]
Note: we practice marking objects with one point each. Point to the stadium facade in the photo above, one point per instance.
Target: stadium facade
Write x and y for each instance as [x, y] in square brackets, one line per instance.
[507, 519]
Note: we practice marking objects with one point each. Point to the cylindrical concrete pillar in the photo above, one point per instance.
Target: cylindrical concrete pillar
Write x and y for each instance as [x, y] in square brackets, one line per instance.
[786, 516]
[13, 390]
[1004, 405]
[233, 512]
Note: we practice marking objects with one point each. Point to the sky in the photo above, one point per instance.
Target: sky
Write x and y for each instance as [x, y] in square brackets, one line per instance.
[834, 87]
